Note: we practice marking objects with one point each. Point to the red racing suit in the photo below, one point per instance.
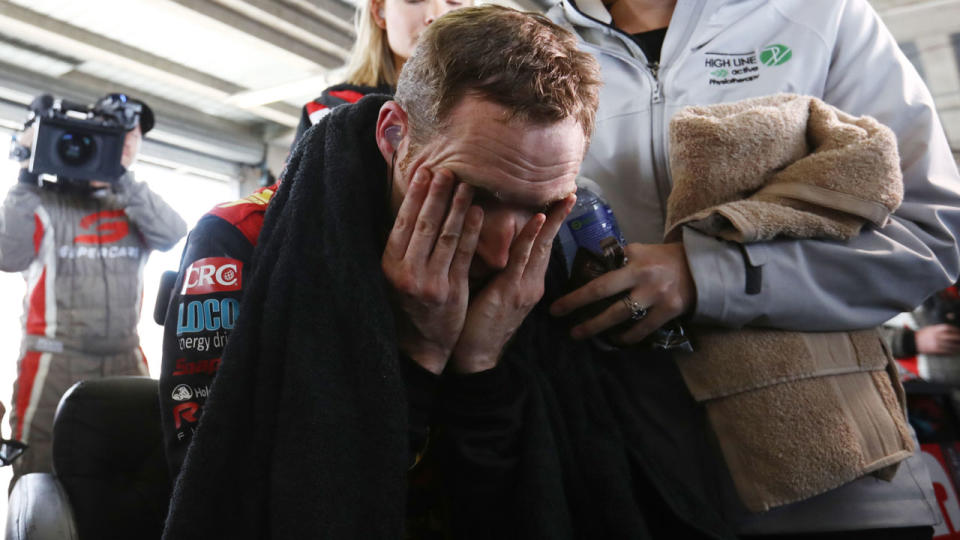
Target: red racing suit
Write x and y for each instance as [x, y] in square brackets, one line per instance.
[203, 309]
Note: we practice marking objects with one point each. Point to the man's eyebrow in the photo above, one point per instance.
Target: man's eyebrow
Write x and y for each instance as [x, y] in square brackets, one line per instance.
[482, 193]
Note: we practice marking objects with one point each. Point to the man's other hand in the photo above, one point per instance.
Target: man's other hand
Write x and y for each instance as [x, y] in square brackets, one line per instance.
[938, 339]
[500, 307]
[656, 277]
[426, 261]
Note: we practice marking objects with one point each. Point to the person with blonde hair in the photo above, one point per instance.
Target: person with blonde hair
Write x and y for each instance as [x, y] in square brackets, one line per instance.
[387, 31]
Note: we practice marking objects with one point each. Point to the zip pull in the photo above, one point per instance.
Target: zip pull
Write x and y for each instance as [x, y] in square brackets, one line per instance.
[658, 87]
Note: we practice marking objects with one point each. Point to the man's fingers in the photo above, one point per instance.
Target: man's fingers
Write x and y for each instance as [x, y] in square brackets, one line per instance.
[540, 257]
[430, 218]
[407, 215]
[450, 235]
[602, 287]
[520, 250]
[460, 267]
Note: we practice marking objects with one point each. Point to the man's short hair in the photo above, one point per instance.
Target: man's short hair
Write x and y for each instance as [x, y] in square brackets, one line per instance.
[521, 61]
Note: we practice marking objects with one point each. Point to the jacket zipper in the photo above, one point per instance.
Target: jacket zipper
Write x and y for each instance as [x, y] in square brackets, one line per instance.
[656, 140]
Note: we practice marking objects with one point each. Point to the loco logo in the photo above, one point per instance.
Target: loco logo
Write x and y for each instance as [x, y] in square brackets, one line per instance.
[185, 412]
[212, 274]
[210, 315]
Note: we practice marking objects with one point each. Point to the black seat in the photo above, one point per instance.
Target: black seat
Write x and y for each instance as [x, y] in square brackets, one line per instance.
[110, 477]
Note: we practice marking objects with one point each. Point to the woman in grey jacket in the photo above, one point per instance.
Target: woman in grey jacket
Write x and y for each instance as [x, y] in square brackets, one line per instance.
[658, 56]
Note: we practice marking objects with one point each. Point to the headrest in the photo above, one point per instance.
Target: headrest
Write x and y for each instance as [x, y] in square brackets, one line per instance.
[108, 454]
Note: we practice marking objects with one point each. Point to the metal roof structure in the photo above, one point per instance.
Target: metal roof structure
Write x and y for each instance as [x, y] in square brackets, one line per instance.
[226, 78]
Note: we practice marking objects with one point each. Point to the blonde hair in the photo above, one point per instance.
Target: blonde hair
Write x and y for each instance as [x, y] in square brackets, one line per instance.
[371, 60]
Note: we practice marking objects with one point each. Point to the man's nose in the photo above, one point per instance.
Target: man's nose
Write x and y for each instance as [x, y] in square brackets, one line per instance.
[493, 246]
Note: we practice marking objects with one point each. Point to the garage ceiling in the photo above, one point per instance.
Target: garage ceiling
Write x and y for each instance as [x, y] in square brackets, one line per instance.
[225, 77]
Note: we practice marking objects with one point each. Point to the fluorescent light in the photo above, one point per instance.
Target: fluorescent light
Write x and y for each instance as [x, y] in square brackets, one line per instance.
[254, 98]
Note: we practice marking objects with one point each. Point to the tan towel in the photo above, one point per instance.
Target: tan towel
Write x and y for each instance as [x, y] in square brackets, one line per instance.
[780, 165]
[795, 414]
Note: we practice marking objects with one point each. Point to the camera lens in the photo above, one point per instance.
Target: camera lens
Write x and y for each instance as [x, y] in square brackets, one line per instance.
[76, 149]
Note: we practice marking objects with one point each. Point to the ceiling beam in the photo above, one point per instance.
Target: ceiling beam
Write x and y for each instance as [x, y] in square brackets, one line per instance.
[334, 11]
[48, 33]
[329, 33]
[262, 32]
[176, 125]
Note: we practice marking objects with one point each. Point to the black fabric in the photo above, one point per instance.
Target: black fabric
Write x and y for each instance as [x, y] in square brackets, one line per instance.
[901, 533]
[108, 455]
[651, 42]
[330, 102]
[193, 366]
[304, 434]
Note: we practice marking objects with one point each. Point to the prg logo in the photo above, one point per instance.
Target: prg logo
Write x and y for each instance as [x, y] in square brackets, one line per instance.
[186, 413]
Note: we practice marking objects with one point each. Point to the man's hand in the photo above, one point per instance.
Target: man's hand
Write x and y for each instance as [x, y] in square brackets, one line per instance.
[25, 139]
[938, 339]
[656, 277]
[497, 310]
[426, 261]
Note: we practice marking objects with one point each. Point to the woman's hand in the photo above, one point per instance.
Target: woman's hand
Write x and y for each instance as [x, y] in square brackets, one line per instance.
[656, 278]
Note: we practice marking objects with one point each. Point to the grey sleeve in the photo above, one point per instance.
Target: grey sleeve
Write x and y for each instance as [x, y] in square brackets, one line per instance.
[902, 340]
[161, 225]
[819, 285]
[18, 224]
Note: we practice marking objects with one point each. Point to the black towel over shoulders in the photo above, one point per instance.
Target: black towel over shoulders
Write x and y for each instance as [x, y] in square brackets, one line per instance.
[305, 431]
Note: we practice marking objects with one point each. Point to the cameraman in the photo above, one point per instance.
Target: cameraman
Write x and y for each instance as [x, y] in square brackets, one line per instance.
[82, 246]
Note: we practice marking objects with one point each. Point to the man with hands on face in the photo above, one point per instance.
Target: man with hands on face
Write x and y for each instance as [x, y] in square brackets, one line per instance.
[394, 369]
[466, 279]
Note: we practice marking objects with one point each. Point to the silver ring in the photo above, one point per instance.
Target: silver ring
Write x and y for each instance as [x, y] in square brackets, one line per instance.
[637, 311]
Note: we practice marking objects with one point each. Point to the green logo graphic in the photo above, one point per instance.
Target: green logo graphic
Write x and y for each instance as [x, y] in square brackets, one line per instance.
[719, 73]
[774, 55]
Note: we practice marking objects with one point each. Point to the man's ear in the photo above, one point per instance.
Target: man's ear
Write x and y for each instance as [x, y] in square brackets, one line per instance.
[391, 129]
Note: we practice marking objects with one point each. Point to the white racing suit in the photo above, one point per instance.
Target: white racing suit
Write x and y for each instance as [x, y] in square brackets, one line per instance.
[82, 256]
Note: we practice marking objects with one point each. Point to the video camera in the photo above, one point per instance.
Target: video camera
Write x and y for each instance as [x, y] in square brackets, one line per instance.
[81, 142]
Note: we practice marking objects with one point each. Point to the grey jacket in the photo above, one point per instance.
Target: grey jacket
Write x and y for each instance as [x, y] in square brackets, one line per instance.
[82, 257]
[837, 50]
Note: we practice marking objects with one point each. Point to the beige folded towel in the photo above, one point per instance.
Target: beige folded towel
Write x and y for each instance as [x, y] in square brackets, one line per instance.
[780, 165]
[795, 414]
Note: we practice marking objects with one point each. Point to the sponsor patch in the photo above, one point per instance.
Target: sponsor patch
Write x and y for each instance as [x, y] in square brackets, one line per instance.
[212, 274]
[185, 412]
[207, 315]
[731, 68]
[181, 392]
[206, 366]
